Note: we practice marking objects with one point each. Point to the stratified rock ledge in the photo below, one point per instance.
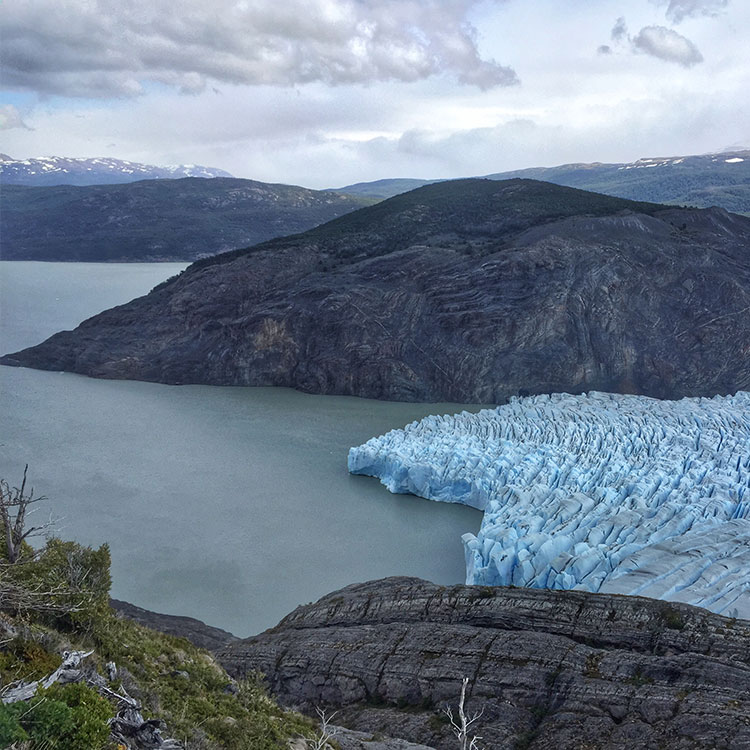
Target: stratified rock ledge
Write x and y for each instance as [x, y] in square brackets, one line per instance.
[552, 670]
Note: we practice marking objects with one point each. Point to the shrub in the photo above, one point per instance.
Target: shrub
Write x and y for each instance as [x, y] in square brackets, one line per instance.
[76, 577]
[48, 722]
[10, 728]
[89, 713]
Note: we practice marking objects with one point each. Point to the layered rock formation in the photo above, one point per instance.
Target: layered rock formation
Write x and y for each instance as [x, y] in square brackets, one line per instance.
[549, 669]
[468, 291]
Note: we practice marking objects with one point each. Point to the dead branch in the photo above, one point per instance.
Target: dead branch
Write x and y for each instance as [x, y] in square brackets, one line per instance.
[461, 724]
[326, 733]
[14, 504]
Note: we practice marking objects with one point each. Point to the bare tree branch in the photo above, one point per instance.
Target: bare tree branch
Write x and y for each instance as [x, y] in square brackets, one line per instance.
[461, 724]
[14, 503]
[326, 734]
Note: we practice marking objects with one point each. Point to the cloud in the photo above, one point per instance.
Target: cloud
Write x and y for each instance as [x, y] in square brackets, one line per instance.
[678, 10]
[10, 118]
[604, 49]
[105, 48]
[619, 30]
[666, 44]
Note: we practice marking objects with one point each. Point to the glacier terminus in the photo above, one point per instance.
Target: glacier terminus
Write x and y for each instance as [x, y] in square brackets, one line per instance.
[601, 492]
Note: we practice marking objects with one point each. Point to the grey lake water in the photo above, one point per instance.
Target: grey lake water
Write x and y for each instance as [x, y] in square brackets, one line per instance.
[232, 505]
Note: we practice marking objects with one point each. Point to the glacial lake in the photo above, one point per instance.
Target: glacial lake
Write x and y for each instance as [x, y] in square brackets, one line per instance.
[232, 505]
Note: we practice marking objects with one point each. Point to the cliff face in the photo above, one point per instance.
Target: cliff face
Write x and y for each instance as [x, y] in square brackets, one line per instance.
[466, 291]
[550, 670]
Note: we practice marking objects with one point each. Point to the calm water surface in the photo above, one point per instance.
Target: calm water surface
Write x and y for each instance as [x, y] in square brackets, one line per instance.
[228, 504]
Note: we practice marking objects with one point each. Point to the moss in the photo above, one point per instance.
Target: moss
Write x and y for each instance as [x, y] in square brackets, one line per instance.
[26, 660]
[639, 679]
[486, 592]
[673, 619]
[591, 669]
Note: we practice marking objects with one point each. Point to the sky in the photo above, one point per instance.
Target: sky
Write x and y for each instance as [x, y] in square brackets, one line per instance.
[325, 93]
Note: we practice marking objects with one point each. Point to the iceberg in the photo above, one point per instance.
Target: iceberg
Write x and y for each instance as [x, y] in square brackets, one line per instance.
[600, 492]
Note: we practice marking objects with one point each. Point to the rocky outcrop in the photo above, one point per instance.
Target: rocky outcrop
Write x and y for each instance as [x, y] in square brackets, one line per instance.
[350, 740]
[549, 669]
[195, 631]
[468, 291]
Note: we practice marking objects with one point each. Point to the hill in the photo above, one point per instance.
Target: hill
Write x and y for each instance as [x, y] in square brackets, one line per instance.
[464, 291]
[702, 181]
[60, 170]
[156, 220]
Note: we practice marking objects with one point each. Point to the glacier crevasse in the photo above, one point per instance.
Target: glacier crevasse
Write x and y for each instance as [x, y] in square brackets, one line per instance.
[602, 492]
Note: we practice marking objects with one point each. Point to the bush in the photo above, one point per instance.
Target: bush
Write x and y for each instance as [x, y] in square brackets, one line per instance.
[76, 577]
[63, 717]
[10, 728]
[89, 713]
[48, 722]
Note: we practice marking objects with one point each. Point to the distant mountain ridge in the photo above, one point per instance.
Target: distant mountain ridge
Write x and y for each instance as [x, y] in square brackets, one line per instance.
[60, 170]
[468, 291]
[721, 179]
[157, 220]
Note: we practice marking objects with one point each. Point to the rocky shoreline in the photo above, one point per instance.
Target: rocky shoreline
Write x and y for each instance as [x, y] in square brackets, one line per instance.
[469, 291]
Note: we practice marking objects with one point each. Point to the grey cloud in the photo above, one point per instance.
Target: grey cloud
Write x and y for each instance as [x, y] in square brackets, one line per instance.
[678, 10]
[116, 47]
[10, 118]
[619, 30]
[666, 44]
[604, 49]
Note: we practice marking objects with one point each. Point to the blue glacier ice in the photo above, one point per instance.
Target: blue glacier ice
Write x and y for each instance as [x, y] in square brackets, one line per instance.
[601, 492]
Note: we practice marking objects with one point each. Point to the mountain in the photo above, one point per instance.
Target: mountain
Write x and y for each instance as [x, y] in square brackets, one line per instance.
[702, 181]
[463, 291]
[709, 180]
[59, 170]
[153, 220]
[562, 670]
[382, 189]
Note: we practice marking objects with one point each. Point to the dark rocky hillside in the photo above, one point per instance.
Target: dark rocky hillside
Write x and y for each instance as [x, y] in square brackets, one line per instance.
[468, 291]
[157, 220]
[551, 670]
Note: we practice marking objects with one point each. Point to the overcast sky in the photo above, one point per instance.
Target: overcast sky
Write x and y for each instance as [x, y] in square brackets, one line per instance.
[324, 93]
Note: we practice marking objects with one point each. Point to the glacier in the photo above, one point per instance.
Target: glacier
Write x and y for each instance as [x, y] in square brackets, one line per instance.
[600, 492]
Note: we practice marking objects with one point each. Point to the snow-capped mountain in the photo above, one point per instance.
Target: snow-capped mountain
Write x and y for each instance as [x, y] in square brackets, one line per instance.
[59, 170]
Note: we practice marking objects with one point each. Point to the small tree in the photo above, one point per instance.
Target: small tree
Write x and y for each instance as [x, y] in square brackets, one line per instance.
[326, 733]
[461, 724]
[63, 579]
[14, 503]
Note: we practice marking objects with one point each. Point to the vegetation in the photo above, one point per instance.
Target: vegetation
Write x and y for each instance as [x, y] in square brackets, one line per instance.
[56, 599]
[151, 220]
[700, 181]
[451, 211]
